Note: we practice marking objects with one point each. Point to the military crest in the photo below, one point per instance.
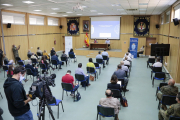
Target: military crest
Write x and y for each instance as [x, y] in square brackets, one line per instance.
[73, 26]
[141, 26]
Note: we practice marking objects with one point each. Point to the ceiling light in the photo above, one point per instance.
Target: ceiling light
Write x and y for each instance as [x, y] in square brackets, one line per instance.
[93, 10]
[79, 14]
[55, 8]
[142, 9]
[100, 13]
[53, 13]
[7, 4]
[64, 15]
[37, 10]
[120, 9]
[83, 6]
[143, 3]
[115, 4]
[69, 12]
[28, 2]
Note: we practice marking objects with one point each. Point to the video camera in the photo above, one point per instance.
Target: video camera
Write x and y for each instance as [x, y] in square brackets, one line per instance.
[38, 87]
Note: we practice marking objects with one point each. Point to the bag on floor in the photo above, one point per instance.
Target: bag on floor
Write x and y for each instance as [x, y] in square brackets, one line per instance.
[124, 102]
[91, 78]
[78, 96]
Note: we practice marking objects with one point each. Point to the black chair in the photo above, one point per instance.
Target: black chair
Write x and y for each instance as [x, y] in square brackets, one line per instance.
[55, 102]
[1, 95]
[167, 100]
[64, 59]
[91, 70]
[156, 69]
[130, 63]
[29, 56]
[116, 93]
[105, 58]
[18, 59]
[100, 61]
[21, 63]
[55, 63]
[80, 78]
[122, 84]
[39, 54]
[174, 118]
[6, 62]
[127, 75]
[158, 88]
[150, 60]
[98, 67]
[5, 68]
[68, 88]
[105, 112]
[159, 76]
[29, 72]
[34, 61]
[43, 67]
[71, 56]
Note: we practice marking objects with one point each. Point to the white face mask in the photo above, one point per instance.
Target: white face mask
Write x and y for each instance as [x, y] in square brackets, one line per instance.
[21, 78]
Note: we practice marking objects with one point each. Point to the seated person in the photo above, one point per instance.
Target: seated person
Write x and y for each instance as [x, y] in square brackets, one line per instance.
[125, 68]
[128, 57]
[140, 51]
[45, 54]
[72, 53]
[43, 61]
[39, 51]
[120, 75]
[170, 89]
[52, 51]
[157, 63]
[10, 70]
[29, 52]
[126, 62]
[173, 110]
[109, 101]
[114, 85]
[64, 55]
[69, 79]
[33, 56]
[105, 54]
[54, 57]
[108, 42]
[99, 56]
[81, 72]
[10, 62]
[33, 69]
[95, 41]
[90, 63]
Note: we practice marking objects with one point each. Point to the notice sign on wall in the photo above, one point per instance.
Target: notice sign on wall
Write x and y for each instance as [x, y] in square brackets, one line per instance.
[68, 44]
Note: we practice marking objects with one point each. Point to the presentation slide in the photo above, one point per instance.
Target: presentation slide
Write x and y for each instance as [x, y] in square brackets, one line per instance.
[103, 29]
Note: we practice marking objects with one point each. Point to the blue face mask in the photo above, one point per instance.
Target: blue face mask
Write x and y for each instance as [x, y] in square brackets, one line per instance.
[21, 78]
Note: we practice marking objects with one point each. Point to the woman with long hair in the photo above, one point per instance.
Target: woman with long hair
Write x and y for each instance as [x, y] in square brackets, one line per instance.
[10, 70]
[43, 61]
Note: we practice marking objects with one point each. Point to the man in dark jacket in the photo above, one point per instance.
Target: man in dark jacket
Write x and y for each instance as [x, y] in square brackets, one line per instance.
[54, 57]
[52, 51]
[16, 96]
[33, 69]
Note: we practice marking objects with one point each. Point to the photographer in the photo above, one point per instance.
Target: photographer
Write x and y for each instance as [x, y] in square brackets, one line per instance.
[16, 96]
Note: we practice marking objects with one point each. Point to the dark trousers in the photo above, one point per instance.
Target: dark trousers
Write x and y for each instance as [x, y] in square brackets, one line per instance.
[139, 53]
[75, 88]
[85, 83]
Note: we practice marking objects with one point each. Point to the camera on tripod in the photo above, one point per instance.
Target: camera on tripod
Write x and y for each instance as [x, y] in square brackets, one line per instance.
[37, 88]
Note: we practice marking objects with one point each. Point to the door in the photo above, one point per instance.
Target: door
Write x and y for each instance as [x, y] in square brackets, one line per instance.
[149, 41]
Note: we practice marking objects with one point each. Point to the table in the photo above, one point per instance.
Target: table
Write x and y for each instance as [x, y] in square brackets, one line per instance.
[98, 45]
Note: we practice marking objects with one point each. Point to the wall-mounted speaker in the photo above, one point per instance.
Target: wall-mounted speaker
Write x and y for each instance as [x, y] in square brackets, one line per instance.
[176, 21]
[157, 26]
[60, 26]
[9, 25]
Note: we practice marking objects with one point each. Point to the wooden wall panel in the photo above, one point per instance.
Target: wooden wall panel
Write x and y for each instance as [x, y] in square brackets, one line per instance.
[166, 29]
[174, 30]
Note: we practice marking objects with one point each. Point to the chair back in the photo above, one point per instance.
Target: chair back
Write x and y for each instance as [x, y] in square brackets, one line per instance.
[127, 66]
[168, 100]
[105, 111]
[174, 118]
[63, 58]
[9, 76]
[42, 66]
[99, 61]
[79, 77]
[105, 57]
[67, 86]
[157, 69]
[90, 69]
[116, 93]
[21, 63]
[160, 75]
[96, 65]
[18, 59]
[34, 60]
[151, 60]
[5, 67]
[126, 73]
[28, 55]
[54, 62]
[71, 56]
[162, 84]
[6, 62]
[29, 71]
[122, 81]
[38, 53]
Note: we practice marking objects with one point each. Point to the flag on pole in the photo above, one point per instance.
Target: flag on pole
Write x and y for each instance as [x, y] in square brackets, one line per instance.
[87, 40]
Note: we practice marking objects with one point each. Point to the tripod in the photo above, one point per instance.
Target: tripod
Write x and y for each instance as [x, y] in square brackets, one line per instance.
[42, 104]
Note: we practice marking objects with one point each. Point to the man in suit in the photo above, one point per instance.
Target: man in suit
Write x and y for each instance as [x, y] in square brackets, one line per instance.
[33, 69]
[121, 75]
[54, 57]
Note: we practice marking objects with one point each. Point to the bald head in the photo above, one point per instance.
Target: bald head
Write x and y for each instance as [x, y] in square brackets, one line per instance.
[108, 93]
[122, 63]
[171, 82]
[52, 48]
[126, 58]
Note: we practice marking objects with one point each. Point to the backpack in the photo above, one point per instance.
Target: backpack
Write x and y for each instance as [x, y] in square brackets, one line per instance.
[124, 102]
[78, 96]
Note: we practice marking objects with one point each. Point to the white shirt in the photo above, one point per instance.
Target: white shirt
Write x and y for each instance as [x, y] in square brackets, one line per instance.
[107, 42]
[157, 64]
[105, 54]
[125, 68]
[126, 62]
[129, 58]
[33, 57]
[142, 49]
[39, 51]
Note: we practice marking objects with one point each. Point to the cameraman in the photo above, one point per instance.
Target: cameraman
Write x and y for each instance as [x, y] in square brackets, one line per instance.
[16, 96]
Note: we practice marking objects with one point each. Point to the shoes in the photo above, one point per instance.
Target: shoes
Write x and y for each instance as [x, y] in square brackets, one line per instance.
[72, 95]
[106, 63]
[53, 69]
[126, 90]
[88, 85]
[104, 66]
[60, 68]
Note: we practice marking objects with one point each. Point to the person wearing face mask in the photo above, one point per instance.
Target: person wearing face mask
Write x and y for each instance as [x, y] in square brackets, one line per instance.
[18, 101]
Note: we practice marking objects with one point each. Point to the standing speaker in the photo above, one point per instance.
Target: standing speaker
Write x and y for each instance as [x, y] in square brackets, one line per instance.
[9, 25]
[176, 21]
[157, 26]
[60, 26]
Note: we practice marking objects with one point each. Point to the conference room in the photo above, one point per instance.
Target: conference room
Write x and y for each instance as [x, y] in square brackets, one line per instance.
[90, 59]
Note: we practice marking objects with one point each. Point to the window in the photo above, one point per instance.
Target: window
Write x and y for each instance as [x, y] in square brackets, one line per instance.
[13, 18]
[36, 20]
[167, 16]
[177, 11]
[162, 19]
[53, 21]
